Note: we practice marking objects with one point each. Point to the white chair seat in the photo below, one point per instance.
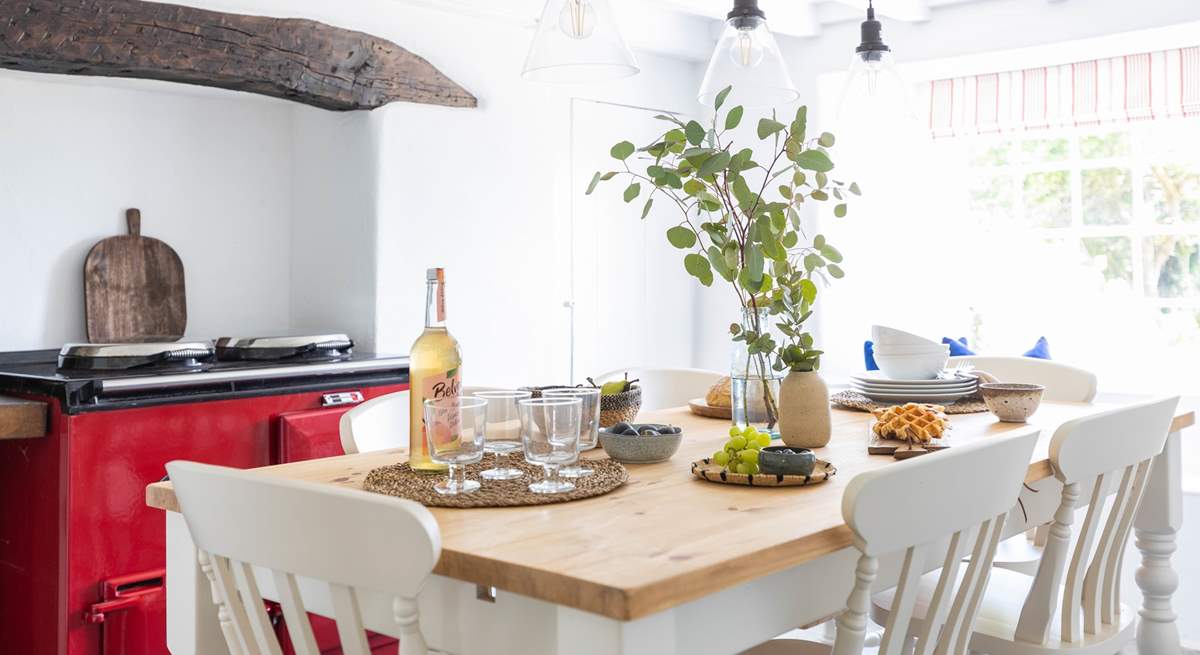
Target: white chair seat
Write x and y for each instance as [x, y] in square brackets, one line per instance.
[1018, 554]
[998, 614]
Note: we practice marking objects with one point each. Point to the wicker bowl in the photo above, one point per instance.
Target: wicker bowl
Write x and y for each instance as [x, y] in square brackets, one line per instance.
[618, 407]
[614, 408]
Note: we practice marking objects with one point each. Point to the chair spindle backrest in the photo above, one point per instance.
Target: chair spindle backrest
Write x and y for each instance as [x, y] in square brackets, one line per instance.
[255, 530]
[914, 507]
[1099, 455]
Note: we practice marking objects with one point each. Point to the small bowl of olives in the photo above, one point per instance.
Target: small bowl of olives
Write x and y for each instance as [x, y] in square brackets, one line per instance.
[785, 460]
[640, 443]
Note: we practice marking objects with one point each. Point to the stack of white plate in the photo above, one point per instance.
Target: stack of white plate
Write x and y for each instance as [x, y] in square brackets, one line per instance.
[882, 389]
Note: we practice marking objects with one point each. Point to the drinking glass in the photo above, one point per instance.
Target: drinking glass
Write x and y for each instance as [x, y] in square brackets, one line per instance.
[502, 436]
[589, 423]
[454, 429]
[550, 434]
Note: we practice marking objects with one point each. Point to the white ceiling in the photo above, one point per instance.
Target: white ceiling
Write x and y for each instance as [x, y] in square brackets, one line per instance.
[793, 17]
[664, 19]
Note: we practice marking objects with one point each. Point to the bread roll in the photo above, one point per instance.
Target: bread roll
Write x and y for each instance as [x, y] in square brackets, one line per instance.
[719, 394]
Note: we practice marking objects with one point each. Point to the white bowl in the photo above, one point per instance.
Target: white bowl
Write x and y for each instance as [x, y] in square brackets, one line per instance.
[882, 335]
[912, 349]
[911, 367]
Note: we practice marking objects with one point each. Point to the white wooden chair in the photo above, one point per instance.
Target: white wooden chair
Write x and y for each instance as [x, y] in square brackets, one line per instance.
[930, 509]
[1072, 605]
[1063, 383]
[353, 541]
[667, 387]
[378, 424]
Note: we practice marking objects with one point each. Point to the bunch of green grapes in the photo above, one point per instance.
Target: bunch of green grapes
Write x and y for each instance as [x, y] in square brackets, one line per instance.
[740, 454]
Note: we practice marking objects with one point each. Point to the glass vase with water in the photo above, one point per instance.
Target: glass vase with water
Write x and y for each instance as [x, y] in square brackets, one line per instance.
[754, 386]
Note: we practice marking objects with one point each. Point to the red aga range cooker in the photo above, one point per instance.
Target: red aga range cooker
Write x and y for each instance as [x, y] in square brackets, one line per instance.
[81, 556]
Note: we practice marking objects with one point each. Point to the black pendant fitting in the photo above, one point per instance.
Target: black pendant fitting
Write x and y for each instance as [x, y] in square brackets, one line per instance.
[872, 34]
[746, 9]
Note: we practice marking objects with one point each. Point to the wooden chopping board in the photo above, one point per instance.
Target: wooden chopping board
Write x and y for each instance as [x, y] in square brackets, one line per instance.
[700, 407]
[134, 289]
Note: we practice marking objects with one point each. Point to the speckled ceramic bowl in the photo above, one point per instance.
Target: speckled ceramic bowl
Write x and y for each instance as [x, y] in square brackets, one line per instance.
[775, 460]
[640, 449]
[1012, 402]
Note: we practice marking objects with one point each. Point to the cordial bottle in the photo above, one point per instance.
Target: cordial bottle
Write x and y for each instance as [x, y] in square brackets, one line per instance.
[435, 369]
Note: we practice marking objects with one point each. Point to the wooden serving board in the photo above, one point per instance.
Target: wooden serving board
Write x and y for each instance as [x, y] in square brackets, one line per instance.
[134, 289]
[700, 407]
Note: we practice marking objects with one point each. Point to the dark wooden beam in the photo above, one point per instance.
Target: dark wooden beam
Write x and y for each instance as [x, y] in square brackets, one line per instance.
[291, 58]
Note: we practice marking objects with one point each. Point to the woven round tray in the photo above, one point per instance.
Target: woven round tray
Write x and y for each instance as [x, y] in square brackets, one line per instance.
[854, 400]
[706, 469]
[399, 480]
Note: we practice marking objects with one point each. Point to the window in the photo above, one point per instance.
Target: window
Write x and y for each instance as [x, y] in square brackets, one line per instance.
[1109, 214]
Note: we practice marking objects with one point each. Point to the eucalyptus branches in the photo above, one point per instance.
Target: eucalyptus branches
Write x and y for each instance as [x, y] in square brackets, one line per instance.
[740, 217]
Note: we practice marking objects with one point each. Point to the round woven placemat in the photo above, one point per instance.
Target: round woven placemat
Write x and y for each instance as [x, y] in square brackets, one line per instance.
[399, 480]
[855, 400]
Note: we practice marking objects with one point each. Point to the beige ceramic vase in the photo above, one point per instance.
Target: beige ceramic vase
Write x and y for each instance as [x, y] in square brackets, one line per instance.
[804, 418]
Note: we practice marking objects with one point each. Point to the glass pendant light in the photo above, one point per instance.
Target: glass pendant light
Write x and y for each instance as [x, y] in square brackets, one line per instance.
[748, 59]
[578, 41]
[874, 88]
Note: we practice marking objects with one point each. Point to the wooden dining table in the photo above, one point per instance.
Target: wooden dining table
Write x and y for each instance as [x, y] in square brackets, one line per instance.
[669, 563]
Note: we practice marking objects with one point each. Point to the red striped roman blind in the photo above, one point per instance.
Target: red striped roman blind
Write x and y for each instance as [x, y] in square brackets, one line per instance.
[1163, 84]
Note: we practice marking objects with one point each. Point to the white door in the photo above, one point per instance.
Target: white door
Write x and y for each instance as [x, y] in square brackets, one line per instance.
[634, 305]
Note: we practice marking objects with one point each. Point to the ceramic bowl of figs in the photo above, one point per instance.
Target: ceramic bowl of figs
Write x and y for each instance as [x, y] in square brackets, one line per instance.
[641, 443]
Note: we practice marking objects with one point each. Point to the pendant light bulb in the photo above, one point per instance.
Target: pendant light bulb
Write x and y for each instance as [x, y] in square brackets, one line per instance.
[577, 19]
[747, 51]
[875, 64]
[874, 88]
[748, 59]
[578, 41]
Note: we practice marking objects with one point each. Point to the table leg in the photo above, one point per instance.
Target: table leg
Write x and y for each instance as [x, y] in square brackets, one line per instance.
[192, 625]
[1156, 526]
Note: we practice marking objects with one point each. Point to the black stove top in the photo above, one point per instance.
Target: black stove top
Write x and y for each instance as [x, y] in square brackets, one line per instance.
[37, 372]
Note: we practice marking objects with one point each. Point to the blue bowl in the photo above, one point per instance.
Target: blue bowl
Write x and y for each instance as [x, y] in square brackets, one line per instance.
[785, 460]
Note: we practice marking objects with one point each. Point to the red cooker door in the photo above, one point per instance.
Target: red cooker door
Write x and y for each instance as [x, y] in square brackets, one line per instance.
[310, 434]
[131, 613]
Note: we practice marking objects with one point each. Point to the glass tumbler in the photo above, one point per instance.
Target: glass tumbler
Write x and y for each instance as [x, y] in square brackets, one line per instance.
[502, 436]
[454, 432]
[589, 423]
[550, 435]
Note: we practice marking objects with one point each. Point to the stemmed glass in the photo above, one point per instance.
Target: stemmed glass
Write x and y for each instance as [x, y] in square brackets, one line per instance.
[550, 434]
[454, 434]
[589, 423]
[503, 432]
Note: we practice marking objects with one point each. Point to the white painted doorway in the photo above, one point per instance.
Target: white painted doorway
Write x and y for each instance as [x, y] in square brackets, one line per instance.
[633, 303]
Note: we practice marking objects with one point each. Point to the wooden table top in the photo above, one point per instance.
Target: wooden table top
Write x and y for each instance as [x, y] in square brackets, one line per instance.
[666, 537]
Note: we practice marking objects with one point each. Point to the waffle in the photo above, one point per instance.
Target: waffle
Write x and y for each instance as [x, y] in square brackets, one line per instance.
[912, 422]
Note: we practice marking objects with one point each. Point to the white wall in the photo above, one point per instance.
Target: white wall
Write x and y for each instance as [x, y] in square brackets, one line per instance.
[290, 217]
[483, 192]
[210, 172]
[334, 222]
